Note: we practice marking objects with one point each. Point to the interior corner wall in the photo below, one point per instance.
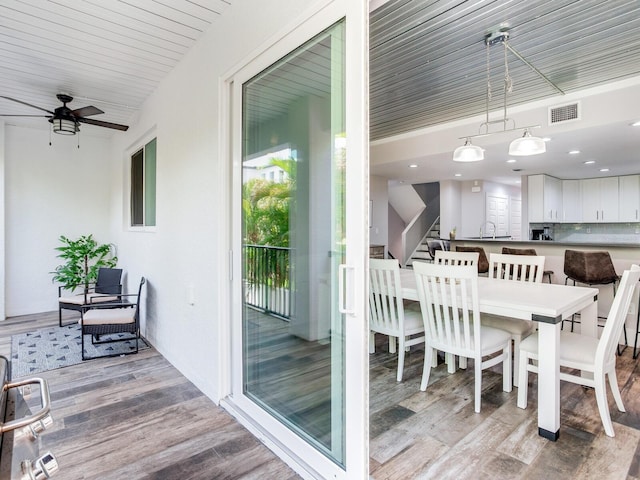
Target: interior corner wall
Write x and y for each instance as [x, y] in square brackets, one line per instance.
[49, 191]
[186, 258]
[450, 207]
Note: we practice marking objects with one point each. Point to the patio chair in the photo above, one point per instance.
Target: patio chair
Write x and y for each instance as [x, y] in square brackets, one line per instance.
[99, 319]
[107, 289]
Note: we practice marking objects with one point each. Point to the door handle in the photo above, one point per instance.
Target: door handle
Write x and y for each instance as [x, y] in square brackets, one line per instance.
[345, 289]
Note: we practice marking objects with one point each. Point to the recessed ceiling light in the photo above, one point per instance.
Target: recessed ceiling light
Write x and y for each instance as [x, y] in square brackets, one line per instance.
[604, 170]
[511, 160]
[546, 139]
[413, 165]
[636, 124]
[574, 152]
[457, 174]
[589, 162]
[518, 181]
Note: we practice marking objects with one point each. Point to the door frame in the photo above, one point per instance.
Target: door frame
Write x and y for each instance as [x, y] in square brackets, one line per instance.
[302, 457]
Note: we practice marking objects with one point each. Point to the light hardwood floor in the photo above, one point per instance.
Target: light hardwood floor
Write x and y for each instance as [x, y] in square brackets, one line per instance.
[436, 434]
[137, 417]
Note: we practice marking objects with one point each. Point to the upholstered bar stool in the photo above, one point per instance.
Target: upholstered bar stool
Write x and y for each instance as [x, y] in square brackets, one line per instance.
[527, 251]
[591, 268]
[483, 262]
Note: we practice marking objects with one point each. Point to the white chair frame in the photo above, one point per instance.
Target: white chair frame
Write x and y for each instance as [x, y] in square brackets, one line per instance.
[386, 311]
[450, 309]
[517, 268]
[588, 354]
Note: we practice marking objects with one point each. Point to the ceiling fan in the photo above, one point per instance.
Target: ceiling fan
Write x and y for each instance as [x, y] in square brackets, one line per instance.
[66, 121]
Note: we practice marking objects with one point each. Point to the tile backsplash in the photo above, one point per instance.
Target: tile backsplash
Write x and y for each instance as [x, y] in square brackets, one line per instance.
[591, 232]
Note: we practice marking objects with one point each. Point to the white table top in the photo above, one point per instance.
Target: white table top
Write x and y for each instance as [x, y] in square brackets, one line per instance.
[529, 301]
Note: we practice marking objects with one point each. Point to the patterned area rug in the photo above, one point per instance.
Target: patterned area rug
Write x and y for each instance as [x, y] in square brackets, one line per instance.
[57, 347]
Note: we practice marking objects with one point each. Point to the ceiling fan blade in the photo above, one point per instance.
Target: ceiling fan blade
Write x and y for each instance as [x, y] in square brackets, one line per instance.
[100, 123]
[86, 111]
[40, 116]
[27, 104]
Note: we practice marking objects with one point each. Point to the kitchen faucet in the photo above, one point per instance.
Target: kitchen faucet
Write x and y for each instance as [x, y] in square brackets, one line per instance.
[490, 223]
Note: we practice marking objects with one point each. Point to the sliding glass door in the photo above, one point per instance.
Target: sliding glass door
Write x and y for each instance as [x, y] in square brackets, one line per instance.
[300, 326]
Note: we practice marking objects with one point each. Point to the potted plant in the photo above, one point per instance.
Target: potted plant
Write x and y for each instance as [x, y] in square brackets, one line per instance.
[452, 234]
[83, 258]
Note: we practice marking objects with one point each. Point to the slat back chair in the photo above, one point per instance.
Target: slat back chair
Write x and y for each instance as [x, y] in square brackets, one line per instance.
[456, 258]
[522, 268]
[387, 314]
[450, 310]
[588, 354]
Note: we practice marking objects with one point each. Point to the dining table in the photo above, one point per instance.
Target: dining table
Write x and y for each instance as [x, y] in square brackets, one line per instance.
[546, 304]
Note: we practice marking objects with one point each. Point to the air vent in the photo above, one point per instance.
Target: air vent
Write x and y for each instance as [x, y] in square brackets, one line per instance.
[564, 113]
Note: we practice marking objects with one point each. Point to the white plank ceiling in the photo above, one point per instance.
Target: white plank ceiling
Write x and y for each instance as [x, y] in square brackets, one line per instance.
[107, 53]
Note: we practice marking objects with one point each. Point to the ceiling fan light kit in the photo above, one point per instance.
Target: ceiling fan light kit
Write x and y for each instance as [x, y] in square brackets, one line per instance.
[64, 126]
[523, 146]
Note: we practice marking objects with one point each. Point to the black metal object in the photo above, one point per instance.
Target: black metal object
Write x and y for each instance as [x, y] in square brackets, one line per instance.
[268, 279]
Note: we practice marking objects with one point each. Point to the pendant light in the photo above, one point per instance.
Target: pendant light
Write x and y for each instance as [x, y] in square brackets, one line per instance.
[468, 153]
[525, 145]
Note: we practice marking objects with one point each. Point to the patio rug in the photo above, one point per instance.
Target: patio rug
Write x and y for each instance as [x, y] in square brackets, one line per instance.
[57, 347]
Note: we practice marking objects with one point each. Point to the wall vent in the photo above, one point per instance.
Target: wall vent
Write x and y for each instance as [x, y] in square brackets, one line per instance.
[564, 113]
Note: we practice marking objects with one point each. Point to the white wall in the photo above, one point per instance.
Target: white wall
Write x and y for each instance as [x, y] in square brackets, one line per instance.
[49, 191]
[2, 216]
[379, 221]
[450, 207]
[188, 251]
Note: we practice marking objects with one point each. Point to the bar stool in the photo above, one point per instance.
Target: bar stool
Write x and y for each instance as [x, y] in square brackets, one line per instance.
[591, 268]
[483, 263]
[527, 251]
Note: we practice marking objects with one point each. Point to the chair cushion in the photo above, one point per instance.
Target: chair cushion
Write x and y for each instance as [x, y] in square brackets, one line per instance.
[493, 338]
[574, 348]
[413, 321]
[103, 316]
[91, 298]
[515, 326]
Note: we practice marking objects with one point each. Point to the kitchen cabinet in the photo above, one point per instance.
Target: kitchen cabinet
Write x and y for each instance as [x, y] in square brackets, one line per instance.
[600, 200]
[544, 198]
[629, 198]
[571, 201]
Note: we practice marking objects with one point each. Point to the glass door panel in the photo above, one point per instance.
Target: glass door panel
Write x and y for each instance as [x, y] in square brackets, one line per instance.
[293, 233]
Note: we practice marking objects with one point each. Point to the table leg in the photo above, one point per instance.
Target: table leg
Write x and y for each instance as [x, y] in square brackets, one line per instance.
[549, 380]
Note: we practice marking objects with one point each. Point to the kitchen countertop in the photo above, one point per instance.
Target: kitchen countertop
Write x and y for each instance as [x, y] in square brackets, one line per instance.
[547, 242]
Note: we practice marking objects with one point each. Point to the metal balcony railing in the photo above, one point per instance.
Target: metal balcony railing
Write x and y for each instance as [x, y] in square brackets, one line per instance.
[267, 278]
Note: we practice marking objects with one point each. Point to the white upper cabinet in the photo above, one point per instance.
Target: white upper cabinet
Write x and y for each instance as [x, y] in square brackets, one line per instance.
[571, 201]
[629, 188]
[544, 198]
[600, 202]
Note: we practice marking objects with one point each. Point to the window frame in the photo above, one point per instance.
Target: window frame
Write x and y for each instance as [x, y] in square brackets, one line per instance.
[134, 149]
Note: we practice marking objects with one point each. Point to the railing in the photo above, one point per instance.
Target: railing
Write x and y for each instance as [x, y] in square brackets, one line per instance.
[268, 279]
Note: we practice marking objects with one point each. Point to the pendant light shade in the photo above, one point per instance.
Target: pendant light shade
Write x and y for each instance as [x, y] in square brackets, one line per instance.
[468, 153]
[527, 145]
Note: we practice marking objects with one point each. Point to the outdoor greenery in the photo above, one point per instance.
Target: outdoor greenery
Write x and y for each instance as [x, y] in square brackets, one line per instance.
[266, 211]
[83, 258]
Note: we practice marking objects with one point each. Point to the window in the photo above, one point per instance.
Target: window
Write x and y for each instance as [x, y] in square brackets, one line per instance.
[143, 186]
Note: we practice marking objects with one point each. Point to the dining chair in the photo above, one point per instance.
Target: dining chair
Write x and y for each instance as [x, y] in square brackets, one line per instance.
[387, 314]
[588, 354]
[444, 257]
[527, 251]
[517, 268]
[450, 310]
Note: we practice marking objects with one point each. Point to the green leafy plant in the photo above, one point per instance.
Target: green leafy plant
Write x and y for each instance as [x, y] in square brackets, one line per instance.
[83, 258]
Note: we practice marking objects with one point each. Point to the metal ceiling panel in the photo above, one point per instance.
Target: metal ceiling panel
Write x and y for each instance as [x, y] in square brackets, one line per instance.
[428, 58]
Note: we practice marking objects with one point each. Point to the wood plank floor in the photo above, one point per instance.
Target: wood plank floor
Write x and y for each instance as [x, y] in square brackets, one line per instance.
[137, 417]
[437, 434]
